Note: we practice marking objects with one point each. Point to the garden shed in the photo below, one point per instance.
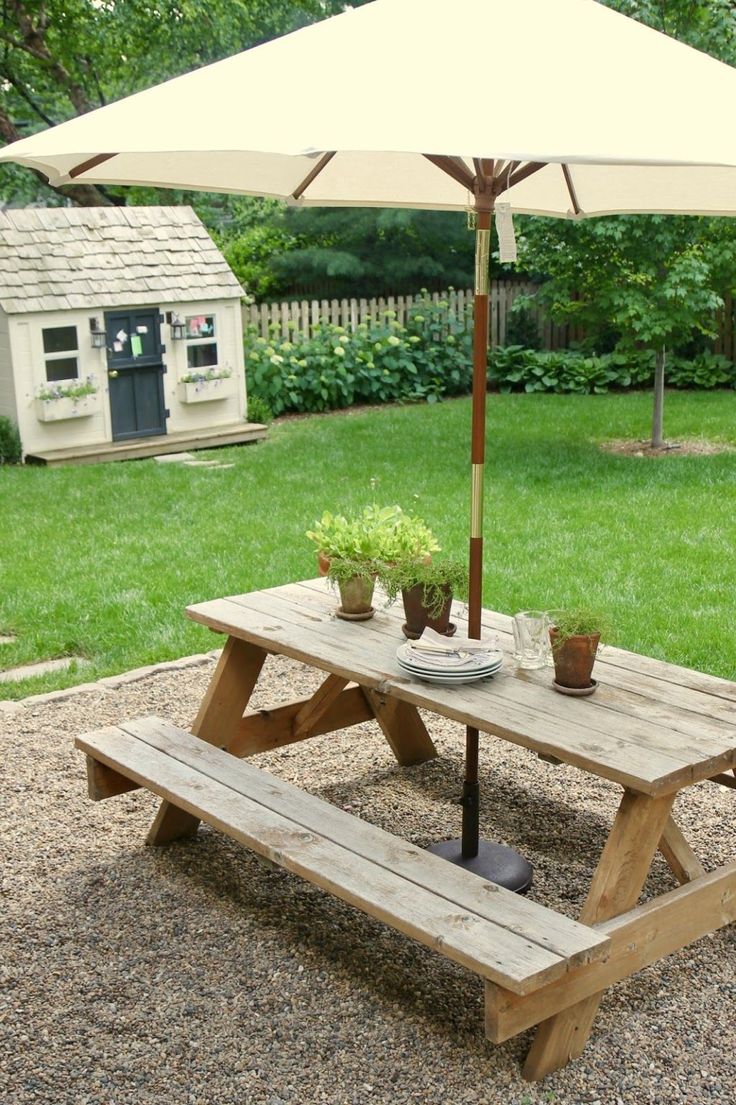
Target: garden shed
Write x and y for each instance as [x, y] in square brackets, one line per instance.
[120, 334]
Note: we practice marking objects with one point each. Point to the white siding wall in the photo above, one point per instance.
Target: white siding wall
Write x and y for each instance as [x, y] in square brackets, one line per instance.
[229, 334]
[7, 388]
[29, 369]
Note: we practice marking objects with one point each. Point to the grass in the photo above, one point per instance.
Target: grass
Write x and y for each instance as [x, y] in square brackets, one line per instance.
[100, 561]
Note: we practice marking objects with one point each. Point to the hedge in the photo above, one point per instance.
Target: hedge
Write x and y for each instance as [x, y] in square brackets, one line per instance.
[431, 357]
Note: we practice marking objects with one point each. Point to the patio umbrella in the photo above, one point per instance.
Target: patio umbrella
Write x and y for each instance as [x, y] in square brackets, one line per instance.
[557, 107]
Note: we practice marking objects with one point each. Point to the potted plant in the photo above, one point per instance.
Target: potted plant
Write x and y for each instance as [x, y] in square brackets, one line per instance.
[352, 551]
[427, 588]
[574, 637]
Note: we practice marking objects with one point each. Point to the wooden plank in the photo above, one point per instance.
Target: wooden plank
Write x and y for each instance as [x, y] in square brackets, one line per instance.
[535, 922]
[264, 730]
[680, 857]
[403, 728]
[638, 938]
[617, 882]
[217, 722]
[724, 780]
[103, 782]
[320, 702]
[479, 944]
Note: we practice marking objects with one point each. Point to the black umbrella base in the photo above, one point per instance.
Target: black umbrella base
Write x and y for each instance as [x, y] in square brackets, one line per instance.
[494, 862]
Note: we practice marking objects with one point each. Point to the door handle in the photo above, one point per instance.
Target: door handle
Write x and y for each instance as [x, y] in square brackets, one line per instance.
[113, 374]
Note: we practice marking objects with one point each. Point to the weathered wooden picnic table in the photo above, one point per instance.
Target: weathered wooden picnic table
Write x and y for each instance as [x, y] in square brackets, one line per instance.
[653, 728]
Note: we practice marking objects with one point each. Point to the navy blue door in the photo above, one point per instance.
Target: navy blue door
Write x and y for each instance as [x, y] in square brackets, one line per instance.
[135, 373]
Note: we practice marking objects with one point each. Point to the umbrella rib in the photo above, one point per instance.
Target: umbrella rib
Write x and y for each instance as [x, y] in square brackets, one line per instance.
[90, 163]
[323, 161]
[454, 167]
[521, 174]
[571, 189]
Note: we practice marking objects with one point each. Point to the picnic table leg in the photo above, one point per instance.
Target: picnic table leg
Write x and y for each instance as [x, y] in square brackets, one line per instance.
[217, 723]
[402, 727]
[617, 883]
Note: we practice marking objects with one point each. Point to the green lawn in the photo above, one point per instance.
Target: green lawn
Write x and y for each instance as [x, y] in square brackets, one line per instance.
[100, 561]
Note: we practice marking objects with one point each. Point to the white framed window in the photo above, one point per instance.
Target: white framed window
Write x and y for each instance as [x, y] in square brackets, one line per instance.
[201, 341]
[61, 352]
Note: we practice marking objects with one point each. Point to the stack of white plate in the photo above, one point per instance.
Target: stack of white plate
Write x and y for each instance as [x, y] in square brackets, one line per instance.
[449, 664]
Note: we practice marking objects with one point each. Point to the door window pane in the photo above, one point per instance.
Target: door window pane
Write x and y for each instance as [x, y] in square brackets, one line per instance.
[60, 339]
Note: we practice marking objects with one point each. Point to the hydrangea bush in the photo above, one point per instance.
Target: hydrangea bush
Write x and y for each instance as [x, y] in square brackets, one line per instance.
[383, 361]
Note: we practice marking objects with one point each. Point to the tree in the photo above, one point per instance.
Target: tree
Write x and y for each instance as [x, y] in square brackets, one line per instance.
[331, 252]
[635, 281]
[60, 58]
[639, 280]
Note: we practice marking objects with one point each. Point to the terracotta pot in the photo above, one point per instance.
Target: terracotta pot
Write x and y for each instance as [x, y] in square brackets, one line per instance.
[356, 596]
[574, 659]
[323, 563]
[417, 615]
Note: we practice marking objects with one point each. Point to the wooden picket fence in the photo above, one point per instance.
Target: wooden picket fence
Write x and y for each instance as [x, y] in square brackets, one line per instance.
[301, 317]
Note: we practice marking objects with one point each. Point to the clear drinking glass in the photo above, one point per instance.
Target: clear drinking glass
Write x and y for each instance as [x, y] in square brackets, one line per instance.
[531, 638]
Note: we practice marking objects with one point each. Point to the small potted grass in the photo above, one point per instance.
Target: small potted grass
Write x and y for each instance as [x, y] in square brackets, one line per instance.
[575, 636]
[427, 588]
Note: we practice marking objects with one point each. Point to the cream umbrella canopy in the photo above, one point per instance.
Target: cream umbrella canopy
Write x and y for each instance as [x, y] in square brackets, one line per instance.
[558, 107]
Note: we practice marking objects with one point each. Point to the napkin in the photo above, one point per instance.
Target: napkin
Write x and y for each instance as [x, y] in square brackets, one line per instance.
[430, 641]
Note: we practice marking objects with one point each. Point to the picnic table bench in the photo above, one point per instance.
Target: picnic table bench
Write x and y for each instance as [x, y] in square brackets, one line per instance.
[651, 727]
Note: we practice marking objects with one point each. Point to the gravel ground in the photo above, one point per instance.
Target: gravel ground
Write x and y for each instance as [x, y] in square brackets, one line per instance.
[196, 975]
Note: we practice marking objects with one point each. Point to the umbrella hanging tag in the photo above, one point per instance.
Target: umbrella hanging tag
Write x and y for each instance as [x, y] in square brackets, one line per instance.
[505, 231]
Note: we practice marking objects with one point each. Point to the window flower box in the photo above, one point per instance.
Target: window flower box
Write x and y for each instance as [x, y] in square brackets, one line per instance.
[66, 400]
[203, 388]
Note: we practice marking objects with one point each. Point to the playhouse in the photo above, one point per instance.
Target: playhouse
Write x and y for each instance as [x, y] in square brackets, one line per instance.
[120, 334]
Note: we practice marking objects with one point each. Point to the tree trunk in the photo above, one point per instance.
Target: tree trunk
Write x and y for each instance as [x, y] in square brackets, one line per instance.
[658, 413]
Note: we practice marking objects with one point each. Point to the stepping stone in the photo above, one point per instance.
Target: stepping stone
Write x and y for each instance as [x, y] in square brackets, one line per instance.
[6, 639]
[174, 458]
[201, 463]
[28, 671]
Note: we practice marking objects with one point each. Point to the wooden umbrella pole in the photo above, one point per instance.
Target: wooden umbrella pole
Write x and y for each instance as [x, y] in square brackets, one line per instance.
[484, 208]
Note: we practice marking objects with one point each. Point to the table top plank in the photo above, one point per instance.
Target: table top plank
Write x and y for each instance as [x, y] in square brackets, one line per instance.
[644, 731]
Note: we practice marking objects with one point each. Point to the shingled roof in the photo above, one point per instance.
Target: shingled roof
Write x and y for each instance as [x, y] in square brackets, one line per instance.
[66, 257]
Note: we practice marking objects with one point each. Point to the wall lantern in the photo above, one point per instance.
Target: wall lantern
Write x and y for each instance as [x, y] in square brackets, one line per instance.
[98, 336]
[178, 328]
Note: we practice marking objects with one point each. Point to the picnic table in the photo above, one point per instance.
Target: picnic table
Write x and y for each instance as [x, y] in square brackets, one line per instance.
[653, 728]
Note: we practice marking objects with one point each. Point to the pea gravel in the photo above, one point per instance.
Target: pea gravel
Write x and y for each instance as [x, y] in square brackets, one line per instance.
[197, 975]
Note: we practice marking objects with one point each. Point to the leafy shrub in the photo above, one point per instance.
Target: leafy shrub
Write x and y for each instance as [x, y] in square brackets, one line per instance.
[383, 361]
[705, 370]
[10, 450]
[513, 368]
[259, 410]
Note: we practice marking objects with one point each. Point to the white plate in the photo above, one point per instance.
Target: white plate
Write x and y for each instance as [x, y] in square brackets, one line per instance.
[451, 665]
[452, 680]
[488, 669]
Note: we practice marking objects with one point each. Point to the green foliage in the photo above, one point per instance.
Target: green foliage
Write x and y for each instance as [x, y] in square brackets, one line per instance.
[339, 253]
[382, 362]
[568, 372]
[376, 534]
[10, 448]
[259, 410]
[436, 578]
[521, 326]
[580, 622]
[71, 389]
